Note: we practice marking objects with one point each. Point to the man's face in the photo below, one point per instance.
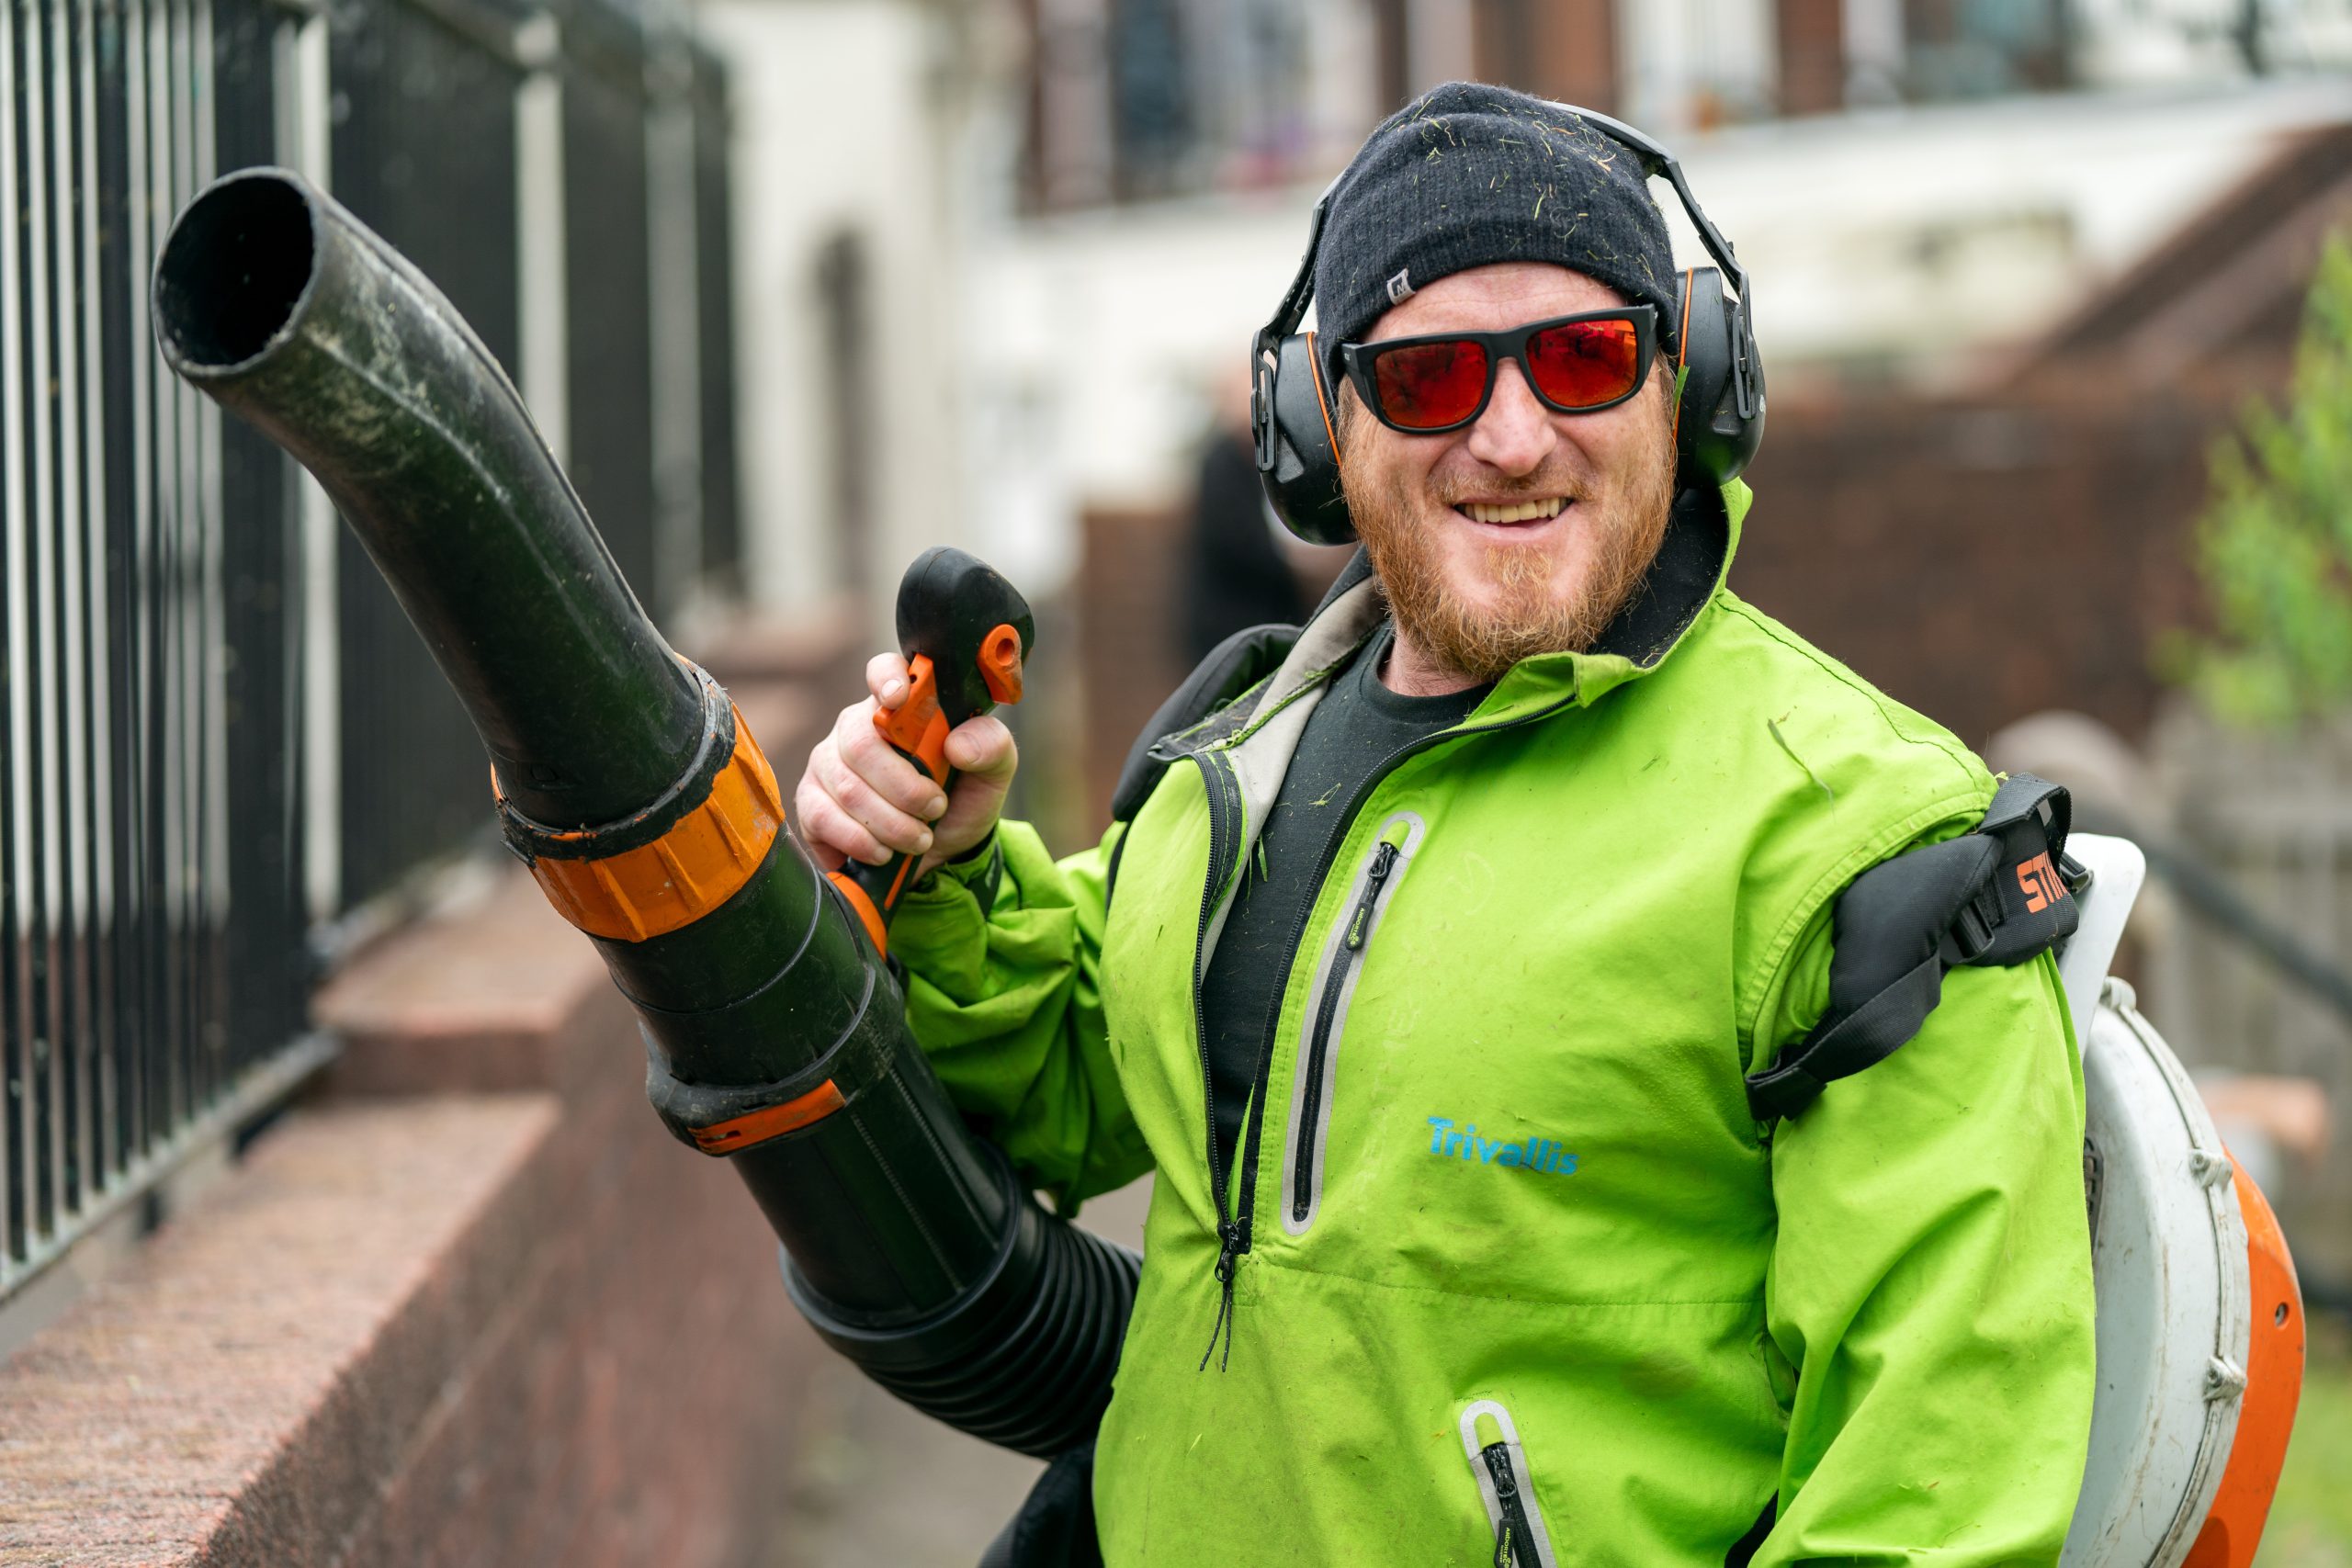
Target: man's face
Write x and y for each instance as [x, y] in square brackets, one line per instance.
[1474, 583]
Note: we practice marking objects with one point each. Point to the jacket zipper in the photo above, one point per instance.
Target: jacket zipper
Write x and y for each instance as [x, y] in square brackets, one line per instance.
[1232, 1230]
[1515, 1538]
[1500, 1466]
[1319, 1043]
[1233, 1227]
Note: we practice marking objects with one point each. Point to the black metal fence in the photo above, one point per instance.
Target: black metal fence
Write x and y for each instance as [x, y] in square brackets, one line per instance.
[217, 735]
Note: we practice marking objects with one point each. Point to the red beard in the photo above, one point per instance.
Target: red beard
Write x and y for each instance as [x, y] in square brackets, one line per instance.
[1526, 616]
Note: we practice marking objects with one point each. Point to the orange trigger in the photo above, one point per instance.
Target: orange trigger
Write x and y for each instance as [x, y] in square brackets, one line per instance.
[1001, 662]
[917, 727]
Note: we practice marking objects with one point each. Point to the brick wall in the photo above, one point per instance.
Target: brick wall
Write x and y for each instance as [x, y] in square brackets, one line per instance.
[1555, 49]
[1130, 587]
[1984, 559]
[1810, 36]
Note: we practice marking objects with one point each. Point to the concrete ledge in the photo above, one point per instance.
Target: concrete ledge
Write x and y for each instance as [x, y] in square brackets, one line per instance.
[490, 1001]
[252, 1371]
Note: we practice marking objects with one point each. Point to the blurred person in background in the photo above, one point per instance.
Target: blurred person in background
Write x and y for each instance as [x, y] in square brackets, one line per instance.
[1431, 949]
[1237, 574]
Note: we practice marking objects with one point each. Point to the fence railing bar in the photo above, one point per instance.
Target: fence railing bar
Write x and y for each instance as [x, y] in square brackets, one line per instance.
[249, 1094]
[155, 598]
[73, 1045]
[215, 1046]
[186, 612]
[135, 950]
[97, 648]
[15, 830]
[672, 312]
[41, 862]
[167, 1011]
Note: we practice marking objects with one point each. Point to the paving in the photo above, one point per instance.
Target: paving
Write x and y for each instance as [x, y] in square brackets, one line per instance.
[878, 1483]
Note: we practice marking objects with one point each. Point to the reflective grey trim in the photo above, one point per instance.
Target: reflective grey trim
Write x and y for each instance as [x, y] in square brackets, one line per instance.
[1526, 1479]
[1226, 805]
[1253, 773]
[1255, 765]
[1342, 625]
[1305, 1141]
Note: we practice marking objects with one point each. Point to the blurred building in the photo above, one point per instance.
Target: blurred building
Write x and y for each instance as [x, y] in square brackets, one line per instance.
[1927, 191]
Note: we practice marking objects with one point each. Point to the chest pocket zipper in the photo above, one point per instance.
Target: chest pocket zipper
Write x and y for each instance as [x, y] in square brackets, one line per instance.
[1302, 1183]
[1499, 1465]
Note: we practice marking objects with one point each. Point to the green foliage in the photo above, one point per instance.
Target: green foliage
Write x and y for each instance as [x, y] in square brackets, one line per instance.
[2275, 545]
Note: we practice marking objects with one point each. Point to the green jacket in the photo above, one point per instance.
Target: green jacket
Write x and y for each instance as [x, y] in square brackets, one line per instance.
[1508, 1250]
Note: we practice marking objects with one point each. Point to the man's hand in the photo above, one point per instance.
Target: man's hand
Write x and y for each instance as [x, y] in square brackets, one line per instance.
[860, 800]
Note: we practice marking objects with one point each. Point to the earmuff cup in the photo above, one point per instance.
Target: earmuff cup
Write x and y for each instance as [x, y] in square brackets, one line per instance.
[1293, 420]
[1713, 439]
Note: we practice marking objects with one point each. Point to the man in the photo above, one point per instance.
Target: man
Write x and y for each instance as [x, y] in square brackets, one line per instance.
[1425, 974]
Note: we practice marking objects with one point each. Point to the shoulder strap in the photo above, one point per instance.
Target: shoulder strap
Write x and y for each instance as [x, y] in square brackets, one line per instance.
[1232, 668]
[1992, 898]
[1219, 690]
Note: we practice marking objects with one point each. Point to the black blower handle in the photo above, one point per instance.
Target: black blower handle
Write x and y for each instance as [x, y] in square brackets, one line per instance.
[966, 633]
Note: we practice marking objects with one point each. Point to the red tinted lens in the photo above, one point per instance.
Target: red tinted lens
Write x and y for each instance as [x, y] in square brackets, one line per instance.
[1429, 385]
[1584, 364]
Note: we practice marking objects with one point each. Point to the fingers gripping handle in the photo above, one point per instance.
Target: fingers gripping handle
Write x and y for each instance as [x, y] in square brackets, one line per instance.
[966, 632]
[917, 730]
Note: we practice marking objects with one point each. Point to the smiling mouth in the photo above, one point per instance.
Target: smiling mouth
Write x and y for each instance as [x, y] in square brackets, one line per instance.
[1535, 511]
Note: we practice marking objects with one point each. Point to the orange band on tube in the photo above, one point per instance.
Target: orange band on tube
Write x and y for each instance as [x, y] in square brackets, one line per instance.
[699, 863]
[867, 914]
[759, 1126]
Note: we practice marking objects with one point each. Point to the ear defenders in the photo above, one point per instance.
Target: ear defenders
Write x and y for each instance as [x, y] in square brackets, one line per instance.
[1718, 419]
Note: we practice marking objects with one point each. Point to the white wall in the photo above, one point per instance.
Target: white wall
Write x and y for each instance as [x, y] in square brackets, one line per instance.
[845, 112]
[1671, 54]
[1913, 235]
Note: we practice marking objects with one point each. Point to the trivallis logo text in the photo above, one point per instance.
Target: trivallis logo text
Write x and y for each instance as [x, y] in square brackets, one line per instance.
[1540, 1154]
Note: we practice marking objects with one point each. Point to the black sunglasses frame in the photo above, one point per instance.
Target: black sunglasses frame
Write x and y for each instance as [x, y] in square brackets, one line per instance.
[1358, 359]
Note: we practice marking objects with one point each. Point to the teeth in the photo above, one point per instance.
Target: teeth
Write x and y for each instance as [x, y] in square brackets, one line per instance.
[1525, 512]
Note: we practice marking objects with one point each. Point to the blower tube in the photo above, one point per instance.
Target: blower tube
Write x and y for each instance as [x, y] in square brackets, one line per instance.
[775, 1035]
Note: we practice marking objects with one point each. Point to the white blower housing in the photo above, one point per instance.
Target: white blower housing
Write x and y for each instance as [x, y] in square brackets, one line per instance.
[2200, 1330]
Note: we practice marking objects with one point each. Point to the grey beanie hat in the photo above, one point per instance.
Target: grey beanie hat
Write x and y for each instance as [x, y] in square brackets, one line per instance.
[1468, 174]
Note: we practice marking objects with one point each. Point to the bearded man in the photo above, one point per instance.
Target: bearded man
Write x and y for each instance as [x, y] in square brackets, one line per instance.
[1430, 951]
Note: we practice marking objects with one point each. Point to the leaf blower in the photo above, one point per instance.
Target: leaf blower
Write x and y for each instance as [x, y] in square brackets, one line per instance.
[775, 1033]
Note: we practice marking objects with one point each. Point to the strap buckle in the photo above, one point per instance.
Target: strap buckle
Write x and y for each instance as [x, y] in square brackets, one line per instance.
[1969, 935]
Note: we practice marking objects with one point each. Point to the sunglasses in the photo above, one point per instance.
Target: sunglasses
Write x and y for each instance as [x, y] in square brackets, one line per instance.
[1578, 364]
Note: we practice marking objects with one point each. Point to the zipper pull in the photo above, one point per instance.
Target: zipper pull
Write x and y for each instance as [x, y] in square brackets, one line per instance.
[1506, 1501]
[1497, 1459]
[1384, 861]
[1232, 1242]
